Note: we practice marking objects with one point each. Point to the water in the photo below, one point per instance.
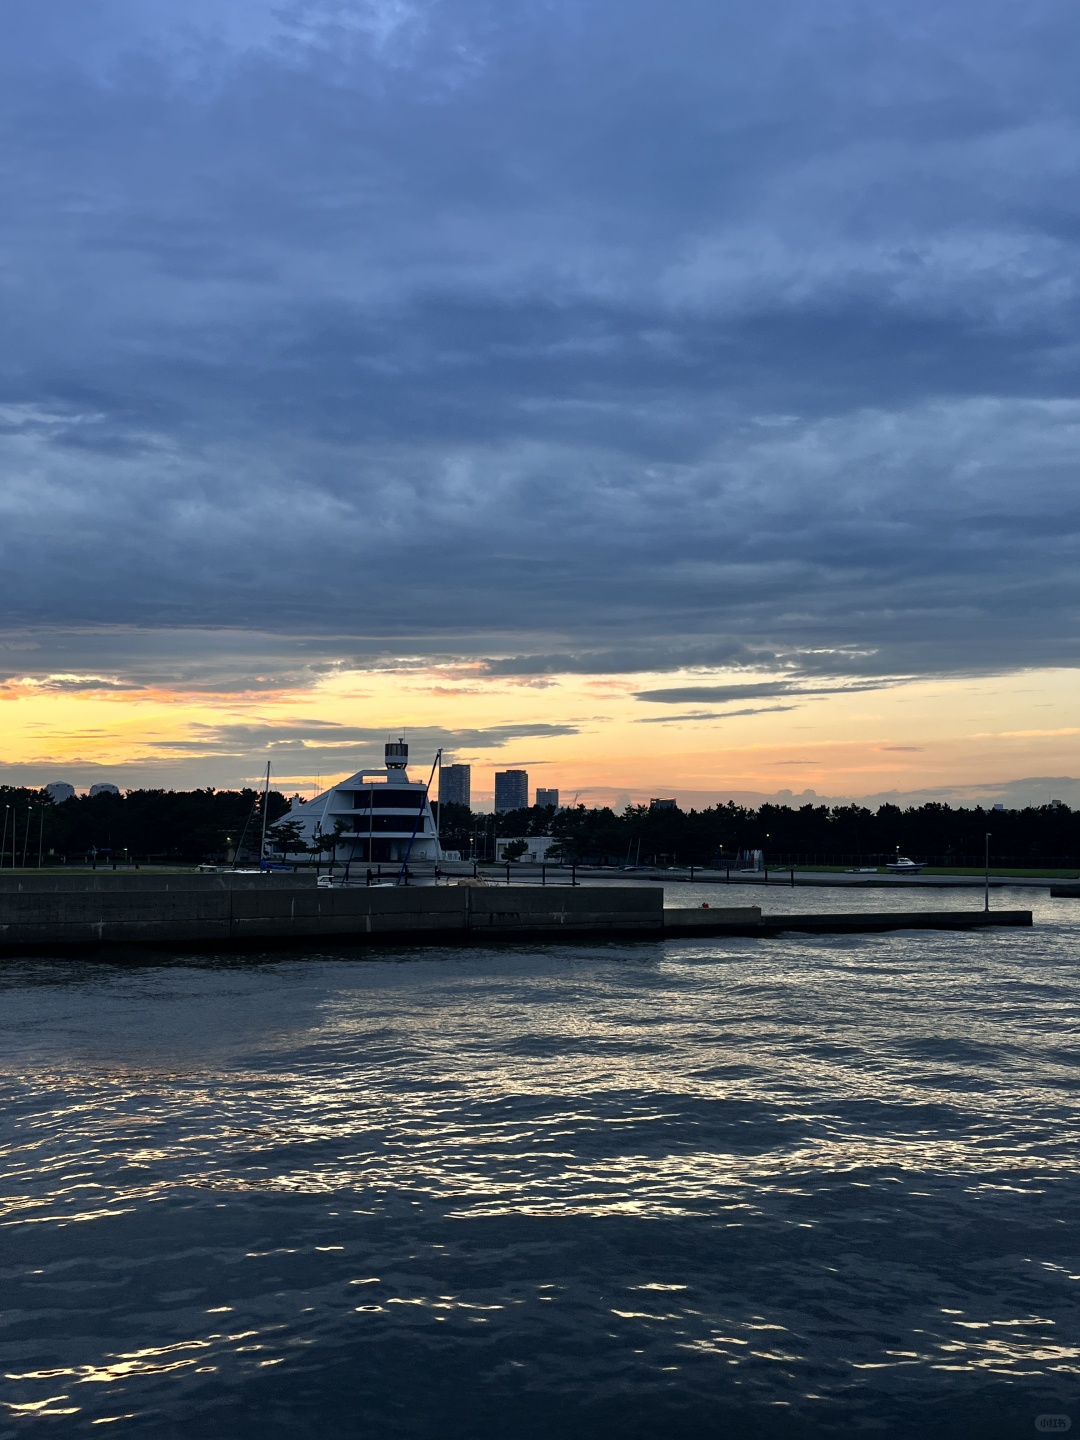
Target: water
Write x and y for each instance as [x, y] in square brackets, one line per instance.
[794, 1187]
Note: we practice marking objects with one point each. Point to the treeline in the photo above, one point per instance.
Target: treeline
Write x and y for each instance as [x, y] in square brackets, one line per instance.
[812, 834]
[164, 826]
[141, 826]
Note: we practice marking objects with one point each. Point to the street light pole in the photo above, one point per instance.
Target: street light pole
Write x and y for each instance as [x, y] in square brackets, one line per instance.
[986, 891]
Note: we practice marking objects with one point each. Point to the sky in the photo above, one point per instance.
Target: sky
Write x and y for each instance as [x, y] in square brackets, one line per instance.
[666, 399]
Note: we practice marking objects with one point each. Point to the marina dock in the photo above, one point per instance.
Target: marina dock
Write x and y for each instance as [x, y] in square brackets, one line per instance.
[66, 913]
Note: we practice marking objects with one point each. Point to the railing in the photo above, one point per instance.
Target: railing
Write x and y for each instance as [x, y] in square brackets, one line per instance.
[779, 859]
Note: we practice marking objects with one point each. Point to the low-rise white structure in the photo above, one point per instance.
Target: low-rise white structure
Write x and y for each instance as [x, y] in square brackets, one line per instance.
[376, 816]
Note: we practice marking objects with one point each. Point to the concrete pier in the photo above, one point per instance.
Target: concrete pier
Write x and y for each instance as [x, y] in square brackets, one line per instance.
[143, 882]
[212, 910]
[64, 913]
[856, 922]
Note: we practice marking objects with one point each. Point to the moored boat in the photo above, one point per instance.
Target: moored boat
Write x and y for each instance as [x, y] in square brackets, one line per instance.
[903, 866]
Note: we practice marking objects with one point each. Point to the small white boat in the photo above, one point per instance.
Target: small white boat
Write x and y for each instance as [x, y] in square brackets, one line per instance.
[903, 866]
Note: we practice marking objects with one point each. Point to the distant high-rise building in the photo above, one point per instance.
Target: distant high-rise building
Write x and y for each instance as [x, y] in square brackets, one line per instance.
[663, 805]
[59, 791]
[547, 797]
[455, 784]
[511, 790]
[105, 788]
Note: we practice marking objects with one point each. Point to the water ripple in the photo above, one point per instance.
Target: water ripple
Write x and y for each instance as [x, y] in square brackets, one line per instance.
[685, 1188]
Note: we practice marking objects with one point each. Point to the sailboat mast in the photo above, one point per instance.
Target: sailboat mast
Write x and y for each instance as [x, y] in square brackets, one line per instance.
[265, 805]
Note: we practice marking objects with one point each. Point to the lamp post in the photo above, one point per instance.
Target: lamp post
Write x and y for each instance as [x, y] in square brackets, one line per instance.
[3, 844]
[986, 891]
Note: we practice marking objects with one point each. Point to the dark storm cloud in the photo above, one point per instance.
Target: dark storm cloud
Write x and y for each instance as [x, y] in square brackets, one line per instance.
[633, 336]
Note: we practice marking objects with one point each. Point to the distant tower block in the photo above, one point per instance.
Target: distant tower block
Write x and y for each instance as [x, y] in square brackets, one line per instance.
[105, 788]
[455, 785]
[59, 791]
[547, 797]
[663, 805]
[511, 790]
[397, 754]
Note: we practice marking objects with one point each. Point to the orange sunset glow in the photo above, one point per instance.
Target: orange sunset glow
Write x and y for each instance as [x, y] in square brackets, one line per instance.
[591, 737]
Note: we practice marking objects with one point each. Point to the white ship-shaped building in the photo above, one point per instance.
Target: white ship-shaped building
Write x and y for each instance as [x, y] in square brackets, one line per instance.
[378, 816]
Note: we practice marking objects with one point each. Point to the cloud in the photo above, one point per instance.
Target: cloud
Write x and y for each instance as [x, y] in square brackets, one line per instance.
[65, 684]
[319, 742]
[755, 690]
[488, 737]
[711, 715]
[1013, 794]
[379, 329]
[635, 656]
[232, 754]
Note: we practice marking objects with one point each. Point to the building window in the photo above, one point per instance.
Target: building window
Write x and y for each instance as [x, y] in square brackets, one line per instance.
[400, 824]
[388, 797]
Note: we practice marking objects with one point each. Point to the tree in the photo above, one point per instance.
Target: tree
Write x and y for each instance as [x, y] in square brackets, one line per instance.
[329, 842]
[456, 826]
[515, 849]
[285, 837]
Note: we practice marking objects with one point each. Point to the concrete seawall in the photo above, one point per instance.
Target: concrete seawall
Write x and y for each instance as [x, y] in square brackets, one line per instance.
[229, 910]
[855, 922]
[61, 913]
[143, 882]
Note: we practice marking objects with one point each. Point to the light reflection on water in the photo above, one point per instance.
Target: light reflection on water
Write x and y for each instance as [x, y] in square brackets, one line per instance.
[700, 1187]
